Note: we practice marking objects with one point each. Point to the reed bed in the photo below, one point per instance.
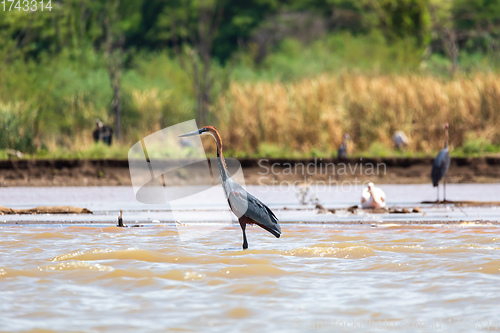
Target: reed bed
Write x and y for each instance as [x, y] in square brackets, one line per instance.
[313, 114]
[303, 118]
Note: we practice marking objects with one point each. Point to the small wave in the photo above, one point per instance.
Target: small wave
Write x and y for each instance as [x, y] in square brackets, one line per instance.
[174, 274]
[75, 265]
[389, 267]
[260, 289]
[108, 254]
[47, 270]
[250, 270]
[417, 248]
[239, 312]
[342, 252]
[48, 235]
[489, 267]
[181, 275]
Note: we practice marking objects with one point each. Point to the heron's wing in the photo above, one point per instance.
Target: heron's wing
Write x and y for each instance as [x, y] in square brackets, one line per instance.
[244, 204]
[262, 215]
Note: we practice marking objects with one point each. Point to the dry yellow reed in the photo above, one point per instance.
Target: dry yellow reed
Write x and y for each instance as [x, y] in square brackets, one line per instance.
[314, 113]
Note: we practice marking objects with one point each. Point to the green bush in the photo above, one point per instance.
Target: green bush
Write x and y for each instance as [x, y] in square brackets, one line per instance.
[379, 149]
[475, 145]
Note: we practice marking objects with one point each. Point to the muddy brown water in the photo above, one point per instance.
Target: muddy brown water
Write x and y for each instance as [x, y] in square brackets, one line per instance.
[326, 273]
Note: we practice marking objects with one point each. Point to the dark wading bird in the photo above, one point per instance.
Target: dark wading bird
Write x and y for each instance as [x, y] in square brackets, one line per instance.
[342, 152]
[245, 206]
[103, 132]
[441, 165]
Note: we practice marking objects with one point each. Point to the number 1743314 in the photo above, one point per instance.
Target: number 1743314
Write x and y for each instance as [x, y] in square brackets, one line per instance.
[26, 5]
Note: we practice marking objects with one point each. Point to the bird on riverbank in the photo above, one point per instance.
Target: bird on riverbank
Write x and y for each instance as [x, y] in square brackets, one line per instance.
[400, 140]
[342, 152]
[441, 165]
[245, 206]
[102, 132]
[373, 197]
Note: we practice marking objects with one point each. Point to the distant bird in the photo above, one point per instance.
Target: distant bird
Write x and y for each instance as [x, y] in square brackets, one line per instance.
[13, 153]
[120, 220]
[103, 133]
[342, 152]
[441, 165]
[400, 140]
[245, 206]
[372, 197]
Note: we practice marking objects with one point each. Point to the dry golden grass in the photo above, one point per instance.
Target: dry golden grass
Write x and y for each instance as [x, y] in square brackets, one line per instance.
[314, 113]
[150, 104]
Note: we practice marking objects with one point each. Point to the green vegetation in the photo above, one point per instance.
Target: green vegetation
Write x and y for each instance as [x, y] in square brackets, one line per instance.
[148, 64]
[476, 146]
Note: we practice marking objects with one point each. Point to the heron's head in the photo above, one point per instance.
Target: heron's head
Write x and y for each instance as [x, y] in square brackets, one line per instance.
[204, 130]
[197, 132]
[445, 126]
[347, 137]
[370, 186]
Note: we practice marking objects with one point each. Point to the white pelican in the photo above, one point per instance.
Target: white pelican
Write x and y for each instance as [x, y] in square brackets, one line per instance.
[372, 197]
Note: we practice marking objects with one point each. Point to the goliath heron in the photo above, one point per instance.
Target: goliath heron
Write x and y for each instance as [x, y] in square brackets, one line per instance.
[441, 165]
[342, 152]
[245, 206]
[372, 197]
[400, 140]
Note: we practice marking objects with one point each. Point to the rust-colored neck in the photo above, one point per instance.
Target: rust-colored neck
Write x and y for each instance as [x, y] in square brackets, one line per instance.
[212, 130]
[222, 162]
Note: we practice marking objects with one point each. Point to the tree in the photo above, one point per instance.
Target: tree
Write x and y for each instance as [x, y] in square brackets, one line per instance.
[406, 18]
[478, 23]
[119, 19]
[192, 27]
[115, 39]
[444, 29]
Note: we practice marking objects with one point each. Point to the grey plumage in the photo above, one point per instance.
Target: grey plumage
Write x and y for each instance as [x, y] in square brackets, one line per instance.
[440, 166]
[246, 205]
[342, 152]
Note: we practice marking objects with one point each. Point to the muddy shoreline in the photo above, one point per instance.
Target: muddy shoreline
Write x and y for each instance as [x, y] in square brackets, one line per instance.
[257, 171]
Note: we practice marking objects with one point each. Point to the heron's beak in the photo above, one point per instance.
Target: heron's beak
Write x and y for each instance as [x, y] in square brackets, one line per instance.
[197, 132]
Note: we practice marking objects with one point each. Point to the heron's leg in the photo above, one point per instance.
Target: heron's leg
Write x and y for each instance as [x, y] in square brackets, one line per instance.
[437, 201]
[243, 227]
[444, 198]
[245, 243]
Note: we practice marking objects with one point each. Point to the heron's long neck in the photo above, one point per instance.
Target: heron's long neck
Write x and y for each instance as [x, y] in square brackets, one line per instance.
[220, 158]
[446, 137]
